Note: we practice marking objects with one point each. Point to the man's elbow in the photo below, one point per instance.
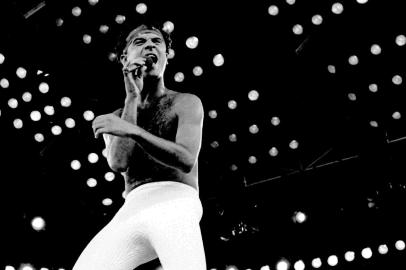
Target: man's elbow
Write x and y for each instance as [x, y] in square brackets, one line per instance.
[189, 165]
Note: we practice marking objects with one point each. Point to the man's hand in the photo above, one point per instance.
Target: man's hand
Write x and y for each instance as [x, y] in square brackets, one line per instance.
[113, 125]
[133, 72]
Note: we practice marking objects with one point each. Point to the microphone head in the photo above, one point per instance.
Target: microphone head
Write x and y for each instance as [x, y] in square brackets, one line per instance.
[149, 62]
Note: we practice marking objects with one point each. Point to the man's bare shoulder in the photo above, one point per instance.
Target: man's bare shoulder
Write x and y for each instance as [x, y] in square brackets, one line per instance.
[186, 101]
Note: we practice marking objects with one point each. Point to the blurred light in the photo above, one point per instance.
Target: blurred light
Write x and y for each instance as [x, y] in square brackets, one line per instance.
[331, 69]
[197, 71]
[352, 96]
[192, 42]
[43, 87]
[299, 265]
[4, 83]
[231, 267]
[59, 22]
[293, 144]
[397, 80]
[332, 260]
[373, 87]
[75, 165]
[12, 103]
[168, 27]
[349, 256]
[290, 2]
[383, 249]
[141, 8]
[253, 95]
[66, 102]
[56, 130]
[297, 29]
[232, 104]
[273, 10]
[120, 19]
[91, 182]
[373, 123]
[252, 159]
[233, 167]
[179, 77]
[93, 157]
[300, 217]
[21, 72]
[107, 201]
[109, 176]
[39, 137]
[43, 268]
[70, 123]
[362, 1]
[49, 110]
[337, 8]
[282, 265]
[401, 40]
[103, 29]
[254, 129]
[353, 60]
[171, 54]
[87, 39]
[88, 115]
[232, 138]
[218, 60]
[376, 49]
[35, 116]
[396, 115]
[214, 144]
[400, 245]
[9, 267]
[26, 266]
[93, 2]
[27, 97]
[317, 19]
[273, 152]
[38, 223]
[76, 11]
[212, 114]
[2, 58]
[316, 263]
[366, 253]
[265, 267]
[112, 57]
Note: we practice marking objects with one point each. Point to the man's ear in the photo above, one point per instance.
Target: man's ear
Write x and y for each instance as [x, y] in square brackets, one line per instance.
[123, 58]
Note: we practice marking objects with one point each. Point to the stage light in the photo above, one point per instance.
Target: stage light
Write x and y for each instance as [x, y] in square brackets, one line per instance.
[75, 165]
[366, 253]
[120, 19]
[331, 69]
[56, 130]
[400, 245]
[107, 201]
[192, 42]
[297, 29]
[273, 10]
[349, 256]
[49, 110]
[294, 144]
[76, 11]
[141, 8]
[93, 158]
[252, 160]
[215, 144]
[70, 123]
[93, 2]
[299, 265]
[265, 267]
[373, 87]
[352, 96]
[38, 223]
[283, 264]
[232, 138]
[401, 40]
[21, 72]
[87, 39]
[18, 123]
[218, 60]
[253, 95]
[66, 102]
[168, 27]
[35, 116]
[383, 249]
[299, 217]
[332, 260]
[59, 22]
[26, 266]
[213, 114]
[91, 182]
[337, 8]
[39, 137]
[233, 167]
[112, 57]
[2, 58]
[373, 123]
[353, 60]
[231, 267]
[316, 263]
[396, 115]
[9, 267]
[27, 97]
[376, 49]
[88, 115]
[275, 121]
[290, 2]
[12, 103]
[362, 1]
[397, 80]
[273, 152]
[109, 176]
[317, 19]
[197, 71]
[253, 129]
[43, 268]
[179, 77]
[232, 104]
[43, 87]
[103, 29]
[4, 83]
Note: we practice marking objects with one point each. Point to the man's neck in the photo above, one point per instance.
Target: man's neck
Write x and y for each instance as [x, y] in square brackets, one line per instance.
[153, 88]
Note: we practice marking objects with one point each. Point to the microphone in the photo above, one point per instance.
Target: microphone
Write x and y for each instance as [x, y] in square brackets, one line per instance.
[149, 62]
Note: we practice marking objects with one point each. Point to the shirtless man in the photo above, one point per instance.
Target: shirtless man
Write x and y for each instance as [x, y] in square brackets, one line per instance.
[154, 141]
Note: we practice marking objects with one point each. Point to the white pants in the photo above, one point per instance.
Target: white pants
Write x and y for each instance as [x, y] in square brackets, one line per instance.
[159, 219]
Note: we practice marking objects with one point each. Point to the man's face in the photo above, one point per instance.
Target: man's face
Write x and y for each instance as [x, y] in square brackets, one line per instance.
[148, 43]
